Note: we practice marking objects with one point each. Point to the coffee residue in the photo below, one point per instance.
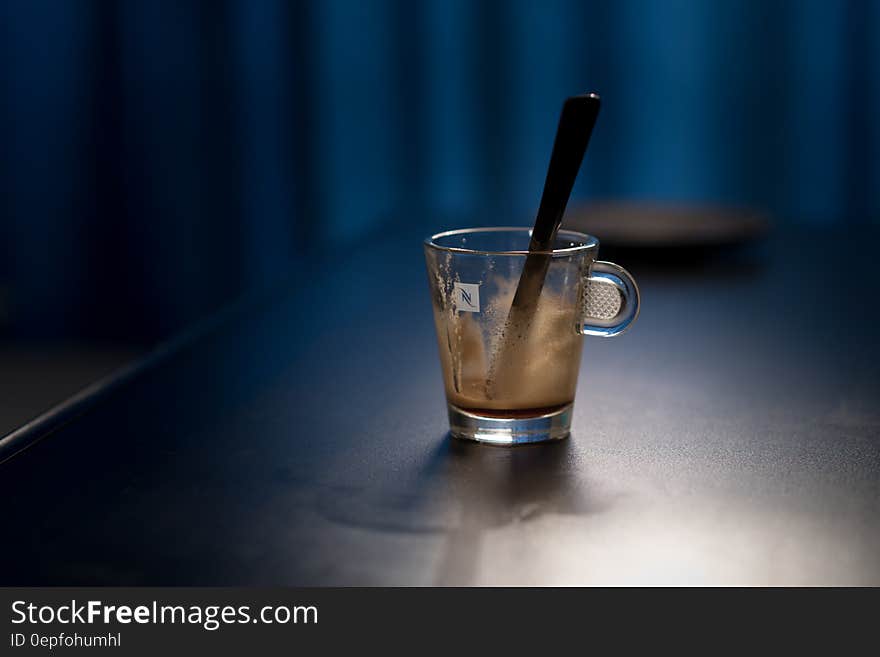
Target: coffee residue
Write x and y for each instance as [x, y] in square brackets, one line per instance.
[539, 370]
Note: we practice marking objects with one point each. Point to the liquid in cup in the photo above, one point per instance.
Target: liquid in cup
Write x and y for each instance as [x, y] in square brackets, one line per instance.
[538, 376]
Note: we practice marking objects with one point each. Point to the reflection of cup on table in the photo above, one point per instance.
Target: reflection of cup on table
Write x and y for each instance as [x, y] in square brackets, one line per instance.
[473, 275]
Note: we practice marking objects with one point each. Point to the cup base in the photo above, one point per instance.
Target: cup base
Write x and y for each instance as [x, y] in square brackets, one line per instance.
[509, 431]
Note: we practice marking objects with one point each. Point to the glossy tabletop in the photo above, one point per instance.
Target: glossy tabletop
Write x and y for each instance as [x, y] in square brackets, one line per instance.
[731, 437]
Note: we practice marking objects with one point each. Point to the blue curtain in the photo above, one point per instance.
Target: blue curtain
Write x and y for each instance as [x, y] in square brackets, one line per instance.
[161, 156]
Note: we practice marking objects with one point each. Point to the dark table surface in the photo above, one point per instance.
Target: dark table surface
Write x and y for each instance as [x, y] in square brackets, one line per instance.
[732, 437]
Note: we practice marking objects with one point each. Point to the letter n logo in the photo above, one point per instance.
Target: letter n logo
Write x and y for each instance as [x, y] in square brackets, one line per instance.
[466, 297]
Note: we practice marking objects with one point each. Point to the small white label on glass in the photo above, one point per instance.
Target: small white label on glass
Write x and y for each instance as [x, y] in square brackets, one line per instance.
[467, 297]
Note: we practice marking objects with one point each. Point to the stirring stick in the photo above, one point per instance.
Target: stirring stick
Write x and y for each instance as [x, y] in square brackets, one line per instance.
[572, 137]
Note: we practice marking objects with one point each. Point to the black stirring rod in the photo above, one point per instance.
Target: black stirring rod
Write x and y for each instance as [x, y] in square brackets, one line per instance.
[572, 137]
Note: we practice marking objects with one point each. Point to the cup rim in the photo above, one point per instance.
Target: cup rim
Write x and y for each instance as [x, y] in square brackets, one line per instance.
[587, 241]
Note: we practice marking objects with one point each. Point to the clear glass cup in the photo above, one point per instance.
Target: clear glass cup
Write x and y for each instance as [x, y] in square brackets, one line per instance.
[510, 378]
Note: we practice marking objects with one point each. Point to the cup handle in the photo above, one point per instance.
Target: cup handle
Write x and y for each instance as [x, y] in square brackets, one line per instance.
[610, 300]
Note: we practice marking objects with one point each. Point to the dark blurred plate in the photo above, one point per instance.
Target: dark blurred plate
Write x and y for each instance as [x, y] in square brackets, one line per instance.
[657, 225]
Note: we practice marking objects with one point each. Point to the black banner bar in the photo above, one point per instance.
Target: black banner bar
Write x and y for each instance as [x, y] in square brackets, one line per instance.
[235, 621]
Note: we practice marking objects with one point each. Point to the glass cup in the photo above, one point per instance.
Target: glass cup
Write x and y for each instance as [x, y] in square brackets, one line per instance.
[510, 375]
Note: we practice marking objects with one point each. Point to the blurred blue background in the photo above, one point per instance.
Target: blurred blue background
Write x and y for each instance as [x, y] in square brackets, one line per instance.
[160, 157]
